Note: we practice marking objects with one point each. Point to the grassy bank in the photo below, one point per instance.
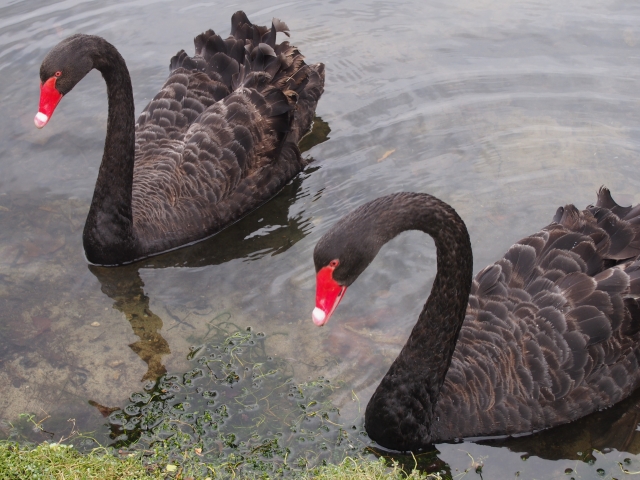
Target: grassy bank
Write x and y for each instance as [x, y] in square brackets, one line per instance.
[55, 461]
[237, 413]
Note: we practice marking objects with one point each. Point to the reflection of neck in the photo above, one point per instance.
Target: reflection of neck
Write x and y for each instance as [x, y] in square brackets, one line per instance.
[108, 234]
[124, 286]
[400, 412]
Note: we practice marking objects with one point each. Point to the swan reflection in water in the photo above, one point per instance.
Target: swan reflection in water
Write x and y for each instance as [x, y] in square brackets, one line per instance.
[265, 231]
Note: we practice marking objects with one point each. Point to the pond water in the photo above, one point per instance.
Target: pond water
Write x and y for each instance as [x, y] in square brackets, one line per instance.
[505, 110]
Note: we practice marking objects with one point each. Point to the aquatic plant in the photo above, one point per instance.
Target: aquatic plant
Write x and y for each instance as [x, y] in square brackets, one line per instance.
[237, 410]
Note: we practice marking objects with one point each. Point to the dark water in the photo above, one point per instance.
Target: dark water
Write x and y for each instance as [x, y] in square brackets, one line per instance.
[505, 110]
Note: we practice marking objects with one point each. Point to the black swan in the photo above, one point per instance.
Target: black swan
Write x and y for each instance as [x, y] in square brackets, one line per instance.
[546, 335]
[219, 140]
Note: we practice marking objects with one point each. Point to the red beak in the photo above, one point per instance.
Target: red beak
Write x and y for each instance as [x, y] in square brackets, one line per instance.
[328, 295]
[49, 99]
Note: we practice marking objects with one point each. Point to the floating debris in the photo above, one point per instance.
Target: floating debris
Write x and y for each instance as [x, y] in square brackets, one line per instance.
[386, 155]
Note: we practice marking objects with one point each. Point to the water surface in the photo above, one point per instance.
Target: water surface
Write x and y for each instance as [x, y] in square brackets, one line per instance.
[504, 110]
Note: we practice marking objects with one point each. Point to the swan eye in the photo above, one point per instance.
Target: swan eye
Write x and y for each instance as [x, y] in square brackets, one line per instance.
[58, 73]
[334, 263]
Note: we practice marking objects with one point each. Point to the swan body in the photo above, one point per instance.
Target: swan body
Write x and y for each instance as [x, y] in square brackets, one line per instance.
[546, 335]
[217, 141]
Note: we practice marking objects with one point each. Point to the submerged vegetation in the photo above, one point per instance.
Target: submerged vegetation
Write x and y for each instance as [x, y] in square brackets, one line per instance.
[237, 413]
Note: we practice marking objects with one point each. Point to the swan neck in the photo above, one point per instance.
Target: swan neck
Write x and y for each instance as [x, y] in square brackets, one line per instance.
[415, 379]
[108, 235]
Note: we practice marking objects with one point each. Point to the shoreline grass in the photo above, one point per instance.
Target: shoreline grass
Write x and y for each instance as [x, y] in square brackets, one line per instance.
[236, 414]
[64, 462]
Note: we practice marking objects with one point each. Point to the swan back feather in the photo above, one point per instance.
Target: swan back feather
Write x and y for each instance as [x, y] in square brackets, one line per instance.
[221, 136]
[552, 331]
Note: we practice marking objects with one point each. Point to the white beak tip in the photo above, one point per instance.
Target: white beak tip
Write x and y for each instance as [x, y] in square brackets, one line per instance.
[319, 317]
[40, 119]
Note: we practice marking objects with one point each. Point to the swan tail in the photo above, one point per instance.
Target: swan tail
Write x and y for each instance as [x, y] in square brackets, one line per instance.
[620, 224]
[238, 22]
[604, 240]
[268, 65]
[269, 68]
[183, 60]
[252, 49]
[605, 200]
[243, 29]
[308, 98]
[277, 25]
[251, 76]
[201, 40]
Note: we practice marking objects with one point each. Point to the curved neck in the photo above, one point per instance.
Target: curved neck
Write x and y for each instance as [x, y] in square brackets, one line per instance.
[400, 413]
[108, 234]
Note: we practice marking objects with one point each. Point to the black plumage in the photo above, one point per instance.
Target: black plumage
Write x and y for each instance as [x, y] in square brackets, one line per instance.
[217, 141]
[546, 335]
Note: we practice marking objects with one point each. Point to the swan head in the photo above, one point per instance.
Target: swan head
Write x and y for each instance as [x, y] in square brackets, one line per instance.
[63, 67]
[341, 255]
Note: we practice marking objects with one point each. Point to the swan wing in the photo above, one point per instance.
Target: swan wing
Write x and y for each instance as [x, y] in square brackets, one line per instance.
[552, 330]
[221, 137]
